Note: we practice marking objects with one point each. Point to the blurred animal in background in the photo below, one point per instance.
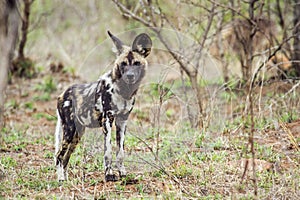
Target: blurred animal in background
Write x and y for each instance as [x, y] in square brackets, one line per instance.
[278, 67]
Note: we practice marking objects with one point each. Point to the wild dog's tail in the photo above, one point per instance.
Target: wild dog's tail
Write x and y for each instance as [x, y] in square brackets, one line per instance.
[58, 135]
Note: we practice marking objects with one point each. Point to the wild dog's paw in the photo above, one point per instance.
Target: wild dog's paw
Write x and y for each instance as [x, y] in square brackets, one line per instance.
[122, 172]
[111, 177]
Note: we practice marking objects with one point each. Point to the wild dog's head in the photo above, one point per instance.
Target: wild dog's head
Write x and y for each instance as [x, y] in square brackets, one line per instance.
[131, 63]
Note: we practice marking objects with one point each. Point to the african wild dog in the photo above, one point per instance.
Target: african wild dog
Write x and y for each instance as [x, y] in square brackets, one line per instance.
[101, 103]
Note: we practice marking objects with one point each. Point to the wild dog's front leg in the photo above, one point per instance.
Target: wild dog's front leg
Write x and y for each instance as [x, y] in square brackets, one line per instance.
[107, 124]
[121, 129]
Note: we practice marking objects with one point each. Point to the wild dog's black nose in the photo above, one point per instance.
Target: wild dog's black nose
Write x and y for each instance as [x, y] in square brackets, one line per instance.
[130, 76]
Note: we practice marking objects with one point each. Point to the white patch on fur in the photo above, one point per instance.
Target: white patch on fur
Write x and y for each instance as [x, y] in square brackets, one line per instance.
[90, 90]
[121, 154]
[61, 174]
[114, 50]
[121, 103]
[108, 81]
[106, 77]
[66, 104]
[58, 133]
[108, 152]
[98, 104]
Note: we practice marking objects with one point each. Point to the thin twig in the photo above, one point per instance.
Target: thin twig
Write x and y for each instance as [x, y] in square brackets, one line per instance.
[292, 89]
[291, 136]
[160, 167]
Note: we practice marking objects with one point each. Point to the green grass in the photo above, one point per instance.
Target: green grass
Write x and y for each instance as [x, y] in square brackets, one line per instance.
[12, 104]
[42, 97]
[44, 116]
[8, 162]
[45, 88]
[29, 105]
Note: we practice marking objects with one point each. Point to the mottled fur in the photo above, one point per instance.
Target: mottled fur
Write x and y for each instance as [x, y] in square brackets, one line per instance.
[100, 104]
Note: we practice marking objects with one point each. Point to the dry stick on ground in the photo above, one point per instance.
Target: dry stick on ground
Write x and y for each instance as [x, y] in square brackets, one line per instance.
[158, 121]
[249, 58]
[251, 140]
[249, 62]
[163, 92]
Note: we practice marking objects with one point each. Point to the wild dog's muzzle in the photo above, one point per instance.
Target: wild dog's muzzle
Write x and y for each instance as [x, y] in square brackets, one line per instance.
[132, 75]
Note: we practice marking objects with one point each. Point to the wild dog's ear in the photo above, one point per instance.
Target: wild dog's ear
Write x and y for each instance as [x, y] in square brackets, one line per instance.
[118, 43]
[142, 44]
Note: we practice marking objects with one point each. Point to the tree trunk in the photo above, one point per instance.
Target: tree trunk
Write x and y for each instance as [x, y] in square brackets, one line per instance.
[296, 45]
[9, 22]
[201, 115]
[25, 25]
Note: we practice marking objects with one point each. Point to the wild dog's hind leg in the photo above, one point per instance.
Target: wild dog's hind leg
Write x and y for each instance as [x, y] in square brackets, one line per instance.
[67, 136]
[70, 139]
[120, 138]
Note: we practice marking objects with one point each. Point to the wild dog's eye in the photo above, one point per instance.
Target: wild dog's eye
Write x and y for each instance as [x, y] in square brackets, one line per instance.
[137, 63]
[123, 64]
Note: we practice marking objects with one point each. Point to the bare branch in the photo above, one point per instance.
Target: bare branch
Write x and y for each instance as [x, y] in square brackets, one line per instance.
[204, 37]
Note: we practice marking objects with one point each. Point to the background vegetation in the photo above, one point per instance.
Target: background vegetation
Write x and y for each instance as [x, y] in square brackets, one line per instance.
[217, 116]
